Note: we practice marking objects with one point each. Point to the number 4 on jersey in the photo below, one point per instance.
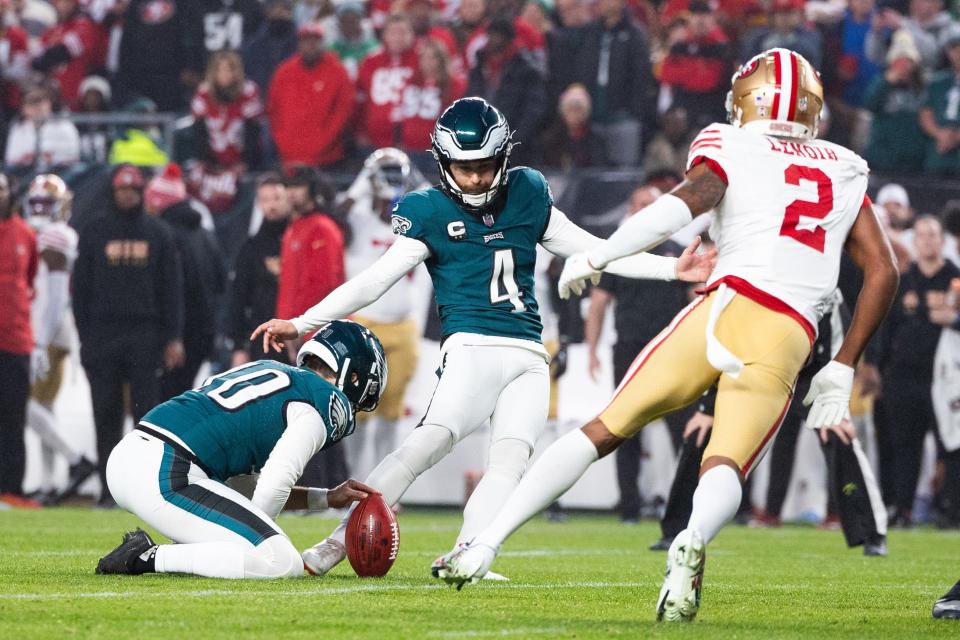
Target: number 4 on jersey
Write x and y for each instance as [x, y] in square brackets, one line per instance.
[503, 285]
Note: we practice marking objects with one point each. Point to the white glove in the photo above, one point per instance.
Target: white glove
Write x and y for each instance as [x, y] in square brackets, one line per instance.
[576, 271]
[829, 394]
[39, 364]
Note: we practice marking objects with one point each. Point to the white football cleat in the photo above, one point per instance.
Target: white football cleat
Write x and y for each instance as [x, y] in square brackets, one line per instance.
[467, 564]
[319, 559]
[680, 596]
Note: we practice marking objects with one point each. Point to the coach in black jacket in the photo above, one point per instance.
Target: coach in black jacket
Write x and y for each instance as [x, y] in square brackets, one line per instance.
[128, 304]
[204, 275]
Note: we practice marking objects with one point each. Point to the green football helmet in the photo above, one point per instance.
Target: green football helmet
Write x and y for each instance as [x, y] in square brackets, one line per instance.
[472, 129]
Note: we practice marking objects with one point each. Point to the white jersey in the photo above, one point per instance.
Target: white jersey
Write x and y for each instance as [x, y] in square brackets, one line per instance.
[60, 238]
[785, 217]
[371, 239]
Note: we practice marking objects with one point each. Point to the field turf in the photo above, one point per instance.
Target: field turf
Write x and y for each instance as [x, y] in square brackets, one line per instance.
[590, 577]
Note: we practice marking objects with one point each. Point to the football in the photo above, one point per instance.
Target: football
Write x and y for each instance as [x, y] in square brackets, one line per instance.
[373, 537]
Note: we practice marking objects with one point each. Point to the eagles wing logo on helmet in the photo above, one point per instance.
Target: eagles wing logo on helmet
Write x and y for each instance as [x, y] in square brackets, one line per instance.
[776, 93]
[341, 424]
[400, 225]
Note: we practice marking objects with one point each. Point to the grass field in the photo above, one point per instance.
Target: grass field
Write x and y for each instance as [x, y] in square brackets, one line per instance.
[590, 577]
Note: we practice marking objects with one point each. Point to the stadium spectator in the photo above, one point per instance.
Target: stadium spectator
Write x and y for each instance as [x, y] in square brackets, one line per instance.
[204, 275]
[908, 345]
[18, 267]
[669, 147]
[469, 29]
[573, 141]
[311, 256]
[214, 25]
[571, 14]
[432, 89]
[927, 23]
[155, 55]
[637, 322]
[226, 112]
[787, 28]
[40, 139]
[422, 15]
[698, 65]
[71, 49]
[610, 56]
[95, 139]
[14, 64]
[310, 103]
[733, 16]
[507, 76]
[273, 42]
[380, 83]
[355, 39]
[849, 73]
[34, 16]
[256, 272]
[896, 144]
[940, 114]
[128, 304]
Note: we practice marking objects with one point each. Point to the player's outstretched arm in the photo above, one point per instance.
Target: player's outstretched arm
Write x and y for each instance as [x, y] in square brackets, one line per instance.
[350, 297]
[870, 250]
[700, 192]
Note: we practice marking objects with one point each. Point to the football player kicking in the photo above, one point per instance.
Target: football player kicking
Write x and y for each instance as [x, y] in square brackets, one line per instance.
[267, 416]
[477, 233]
[785, 206]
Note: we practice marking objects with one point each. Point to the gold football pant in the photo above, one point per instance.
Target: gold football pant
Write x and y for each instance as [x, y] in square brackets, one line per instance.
[673, 371]
[401, 343]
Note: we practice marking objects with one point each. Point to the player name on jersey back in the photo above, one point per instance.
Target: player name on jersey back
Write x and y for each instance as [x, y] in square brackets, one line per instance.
[785, 216]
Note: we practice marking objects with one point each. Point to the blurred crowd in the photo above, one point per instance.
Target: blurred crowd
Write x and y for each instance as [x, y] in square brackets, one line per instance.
[585, 83]
[289, 93]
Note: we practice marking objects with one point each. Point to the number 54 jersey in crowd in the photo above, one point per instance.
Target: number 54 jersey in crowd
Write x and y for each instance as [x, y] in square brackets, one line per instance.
[785, 216]
[233, 422]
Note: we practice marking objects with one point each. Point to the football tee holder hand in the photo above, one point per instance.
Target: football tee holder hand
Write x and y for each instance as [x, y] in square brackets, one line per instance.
[576, 271]
[829, 396]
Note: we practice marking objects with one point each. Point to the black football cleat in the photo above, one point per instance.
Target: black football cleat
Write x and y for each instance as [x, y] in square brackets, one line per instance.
[133, 557]
[876, 547]
[663, 544]
[948, 607]
[77, 474]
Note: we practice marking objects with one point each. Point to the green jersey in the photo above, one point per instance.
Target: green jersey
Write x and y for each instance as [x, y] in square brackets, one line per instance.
[482, 273]
[235, 419]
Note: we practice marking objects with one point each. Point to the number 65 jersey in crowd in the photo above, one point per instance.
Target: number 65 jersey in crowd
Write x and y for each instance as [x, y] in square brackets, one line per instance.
[785, 216]
[234, 420]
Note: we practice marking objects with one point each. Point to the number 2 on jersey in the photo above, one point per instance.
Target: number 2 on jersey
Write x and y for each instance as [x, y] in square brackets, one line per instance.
[814, 238]
[504, 280]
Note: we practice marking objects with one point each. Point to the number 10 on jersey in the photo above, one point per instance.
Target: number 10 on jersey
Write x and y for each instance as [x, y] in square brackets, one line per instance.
[503, 284]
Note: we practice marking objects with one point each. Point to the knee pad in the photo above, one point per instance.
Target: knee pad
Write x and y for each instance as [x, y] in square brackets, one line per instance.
[509, 457]
[275, 557]
[423, 448]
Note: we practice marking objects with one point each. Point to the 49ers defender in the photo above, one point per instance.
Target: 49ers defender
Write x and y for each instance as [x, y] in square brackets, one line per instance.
[785, 206]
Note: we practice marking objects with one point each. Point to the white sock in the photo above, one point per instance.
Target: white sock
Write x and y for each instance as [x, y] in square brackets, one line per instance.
[43, 423]
[422, 449]
[560, 466]
[208, 559]
[508, 459]
[715, 501]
